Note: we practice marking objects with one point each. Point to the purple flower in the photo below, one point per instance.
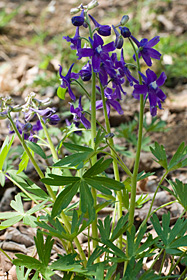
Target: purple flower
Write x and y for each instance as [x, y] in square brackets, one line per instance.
[151, 87]
[44, 113]
[110, 101]
[103, 30]
[86, 72]
[125, 32]
[145, 49]
[126, 71]
[119, 39]
[98, 52]
[78, 116]
[66, 80]
[37, 126]
[54, 119]
[78, 20]
[75, 41]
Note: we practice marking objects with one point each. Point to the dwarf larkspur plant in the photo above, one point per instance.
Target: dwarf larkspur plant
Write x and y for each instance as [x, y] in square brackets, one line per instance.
[113, 242]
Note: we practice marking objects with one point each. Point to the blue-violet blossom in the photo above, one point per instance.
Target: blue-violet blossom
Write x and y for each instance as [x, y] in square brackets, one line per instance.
[145, 49]
[75, 41]
[103, 30]
[98, 52]
[78, 115]
[151, 87]
[78, 20]
[66, 80]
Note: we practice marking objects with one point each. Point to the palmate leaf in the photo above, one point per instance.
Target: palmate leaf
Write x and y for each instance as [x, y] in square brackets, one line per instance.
[159, 152]
[14, 217]
[22, 275]
[171, 238]
[180, 192]
[179, 158]
[73, 160]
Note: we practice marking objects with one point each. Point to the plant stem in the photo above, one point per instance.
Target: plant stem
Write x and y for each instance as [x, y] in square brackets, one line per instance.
[94, 158]
[115, 165]
[136, 166]
[52, 148]
[152, 202]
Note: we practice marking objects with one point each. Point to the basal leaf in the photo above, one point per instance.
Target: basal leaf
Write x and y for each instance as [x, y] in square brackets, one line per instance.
[159, 152]
[5, 149]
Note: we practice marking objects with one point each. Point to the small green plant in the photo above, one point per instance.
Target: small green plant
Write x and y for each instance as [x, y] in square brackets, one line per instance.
[78, 164]
[5, 17]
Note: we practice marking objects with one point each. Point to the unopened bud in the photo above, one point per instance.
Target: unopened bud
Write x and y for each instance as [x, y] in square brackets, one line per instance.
[124, 20]
[74, 11]
[92, 4]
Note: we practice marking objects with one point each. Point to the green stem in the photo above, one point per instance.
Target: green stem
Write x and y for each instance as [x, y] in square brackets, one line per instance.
[52, 148]
[94, 158]
[162, 263]
[1, 250]
[155, 260]
[119, 204]
[152, 202]
[136, 166]
[177, 262]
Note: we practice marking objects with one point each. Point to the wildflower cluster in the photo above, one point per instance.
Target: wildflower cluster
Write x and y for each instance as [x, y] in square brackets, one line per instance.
[29, 125]
[111, 72]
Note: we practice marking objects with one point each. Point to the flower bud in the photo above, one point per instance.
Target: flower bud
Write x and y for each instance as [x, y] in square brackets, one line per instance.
[125, 32]
[124, 20]
[92, 4]
[74, 11]
[27, 127]
[78, 20]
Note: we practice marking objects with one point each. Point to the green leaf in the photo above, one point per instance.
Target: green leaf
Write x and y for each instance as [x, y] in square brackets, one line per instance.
[73, 160]
[58, 180]
[180, 191]
[109, 183]
[98, 167]
[11, 221]
[104, 228]
[28, 262]
[64, 198]
[2, 179]
[87, 202]
[24, 162]
[160, 153]
[17, 204]
[74, 147]
[176, 162]
[61, 92]
[120, 228]
[43, 249]
[5, 149]
[97, 186]
[36, 148]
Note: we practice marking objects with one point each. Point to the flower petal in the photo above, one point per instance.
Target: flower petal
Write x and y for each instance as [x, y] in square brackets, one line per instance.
[153, 42]
[153, 53]
[151, 76]
[109, 47]
[161, 80]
